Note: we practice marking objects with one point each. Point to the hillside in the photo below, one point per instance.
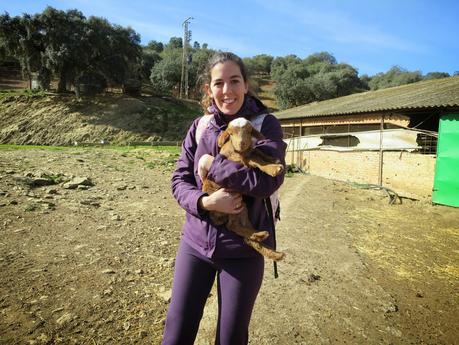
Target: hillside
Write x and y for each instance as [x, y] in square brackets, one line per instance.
[51, 119]
[265, 92]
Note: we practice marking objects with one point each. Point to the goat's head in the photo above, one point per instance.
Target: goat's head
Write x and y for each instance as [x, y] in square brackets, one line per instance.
[240, 131]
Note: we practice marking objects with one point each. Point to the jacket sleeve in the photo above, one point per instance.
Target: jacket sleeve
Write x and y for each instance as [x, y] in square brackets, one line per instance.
[184, 187]
[248, 181]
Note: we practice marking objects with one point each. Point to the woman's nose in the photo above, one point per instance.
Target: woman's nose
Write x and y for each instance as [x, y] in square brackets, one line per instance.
[226, 87]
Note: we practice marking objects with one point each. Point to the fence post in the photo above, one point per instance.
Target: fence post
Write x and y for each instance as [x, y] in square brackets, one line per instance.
[381, 130]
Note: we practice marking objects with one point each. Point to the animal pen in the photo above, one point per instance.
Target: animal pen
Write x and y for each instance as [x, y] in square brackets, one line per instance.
[386, 138]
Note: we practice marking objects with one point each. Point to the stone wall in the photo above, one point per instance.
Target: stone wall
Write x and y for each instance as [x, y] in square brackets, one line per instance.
[408, 174]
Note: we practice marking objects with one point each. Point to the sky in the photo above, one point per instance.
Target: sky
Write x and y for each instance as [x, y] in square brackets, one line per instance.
[370, 35]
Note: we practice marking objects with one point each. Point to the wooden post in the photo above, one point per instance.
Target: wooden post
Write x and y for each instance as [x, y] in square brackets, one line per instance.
[299, 157]
[348, 135]
[293, 144]
[381, 130]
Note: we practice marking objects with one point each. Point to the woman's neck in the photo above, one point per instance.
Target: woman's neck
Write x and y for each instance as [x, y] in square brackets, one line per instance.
[251, 107]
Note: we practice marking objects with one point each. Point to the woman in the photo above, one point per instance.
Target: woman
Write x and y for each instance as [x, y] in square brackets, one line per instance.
[206, 250]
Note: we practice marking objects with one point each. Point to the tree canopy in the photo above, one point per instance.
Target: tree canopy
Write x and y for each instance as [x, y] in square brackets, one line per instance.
[259, 64]
[166, 73]
[317, 77]
[395, 76]
[74, 49]
[69, 45]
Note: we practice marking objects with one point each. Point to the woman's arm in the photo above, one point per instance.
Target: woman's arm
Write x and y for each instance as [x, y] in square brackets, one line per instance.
[184, 186]
[248, 181]
[222, 200]
[186, 192]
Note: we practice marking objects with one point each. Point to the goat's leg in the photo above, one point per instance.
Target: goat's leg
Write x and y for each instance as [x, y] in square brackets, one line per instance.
[209, 186]
[265, 251]
[218, 218]
[256, 161]
[265, 157]
[241, 225]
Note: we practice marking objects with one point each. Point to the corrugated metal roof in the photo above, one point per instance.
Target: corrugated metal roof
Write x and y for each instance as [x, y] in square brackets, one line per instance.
[425, 94]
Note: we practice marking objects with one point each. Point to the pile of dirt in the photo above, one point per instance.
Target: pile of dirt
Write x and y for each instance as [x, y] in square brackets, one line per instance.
[51, 119]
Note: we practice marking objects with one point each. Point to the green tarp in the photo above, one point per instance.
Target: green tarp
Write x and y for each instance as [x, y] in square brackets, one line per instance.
[446, 183]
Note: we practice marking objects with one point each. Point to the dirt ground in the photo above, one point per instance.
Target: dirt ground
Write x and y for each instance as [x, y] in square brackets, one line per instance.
[94, 264]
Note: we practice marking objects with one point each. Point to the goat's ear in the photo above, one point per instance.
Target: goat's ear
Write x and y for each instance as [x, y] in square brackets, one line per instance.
[257, 134]
[223, 138]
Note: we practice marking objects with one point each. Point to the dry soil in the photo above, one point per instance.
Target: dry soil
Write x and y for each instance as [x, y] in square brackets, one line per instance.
[94, 264]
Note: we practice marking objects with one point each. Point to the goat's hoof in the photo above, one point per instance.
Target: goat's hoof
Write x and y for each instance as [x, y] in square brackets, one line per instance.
[259, 236]
[278, 256]
[275, 170]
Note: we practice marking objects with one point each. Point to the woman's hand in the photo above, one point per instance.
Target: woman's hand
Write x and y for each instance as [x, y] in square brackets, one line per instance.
[204, 165]
[223, 200]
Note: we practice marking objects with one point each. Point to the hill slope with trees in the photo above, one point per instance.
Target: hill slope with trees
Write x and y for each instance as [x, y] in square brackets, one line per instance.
[76, 56]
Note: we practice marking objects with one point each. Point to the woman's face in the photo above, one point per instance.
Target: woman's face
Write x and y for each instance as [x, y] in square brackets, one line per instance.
[227, 87]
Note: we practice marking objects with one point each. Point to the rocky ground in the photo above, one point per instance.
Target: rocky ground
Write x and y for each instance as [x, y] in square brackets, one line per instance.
[88, 238]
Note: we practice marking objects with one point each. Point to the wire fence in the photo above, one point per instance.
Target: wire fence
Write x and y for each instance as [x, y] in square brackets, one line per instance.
[129, 143]
[428, 143]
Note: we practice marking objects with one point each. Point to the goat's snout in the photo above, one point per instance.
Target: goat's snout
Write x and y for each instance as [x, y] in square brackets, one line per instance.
[241, 142]
[240, 131]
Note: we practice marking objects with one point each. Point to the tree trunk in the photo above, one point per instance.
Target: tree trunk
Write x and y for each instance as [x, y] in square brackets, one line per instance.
[76, 85]
[44, 79]
[62, 85]
[77, 90]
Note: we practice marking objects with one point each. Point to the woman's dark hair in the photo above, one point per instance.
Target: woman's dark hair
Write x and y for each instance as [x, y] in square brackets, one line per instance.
[205, 77]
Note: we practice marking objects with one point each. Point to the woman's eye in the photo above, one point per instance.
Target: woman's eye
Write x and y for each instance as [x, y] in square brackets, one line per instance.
[235, 81]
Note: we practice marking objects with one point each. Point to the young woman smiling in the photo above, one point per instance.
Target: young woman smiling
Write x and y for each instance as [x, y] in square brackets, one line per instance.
[227, 87]
[207, 251]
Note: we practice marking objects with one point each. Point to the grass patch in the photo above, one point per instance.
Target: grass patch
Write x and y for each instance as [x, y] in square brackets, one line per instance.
[23, 93]
[34, 147]
[165, 162]
[32, 207]
[168, 149]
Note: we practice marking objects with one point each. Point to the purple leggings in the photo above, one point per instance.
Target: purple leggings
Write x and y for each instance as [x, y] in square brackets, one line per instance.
[238, 283]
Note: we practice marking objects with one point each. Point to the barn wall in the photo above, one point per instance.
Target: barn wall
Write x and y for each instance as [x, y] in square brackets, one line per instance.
[409, 174]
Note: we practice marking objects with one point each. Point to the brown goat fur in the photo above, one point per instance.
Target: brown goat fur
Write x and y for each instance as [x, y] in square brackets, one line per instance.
[236, 144]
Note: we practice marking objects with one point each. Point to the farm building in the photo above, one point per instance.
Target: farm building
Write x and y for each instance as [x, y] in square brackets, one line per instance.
[405, 138]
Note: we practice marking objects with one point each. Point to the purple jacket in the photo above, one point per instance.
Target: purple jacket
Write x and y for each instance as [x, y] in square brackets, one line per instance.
[198, 232]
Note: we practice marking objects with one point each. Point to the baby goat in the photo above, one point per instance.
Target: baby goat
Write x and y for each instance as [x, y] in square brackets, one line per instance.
[236, 144]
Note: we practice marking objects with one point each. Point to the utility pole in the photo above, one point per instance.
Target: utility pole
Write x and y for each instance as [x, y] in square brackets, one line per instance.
[185, 58]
